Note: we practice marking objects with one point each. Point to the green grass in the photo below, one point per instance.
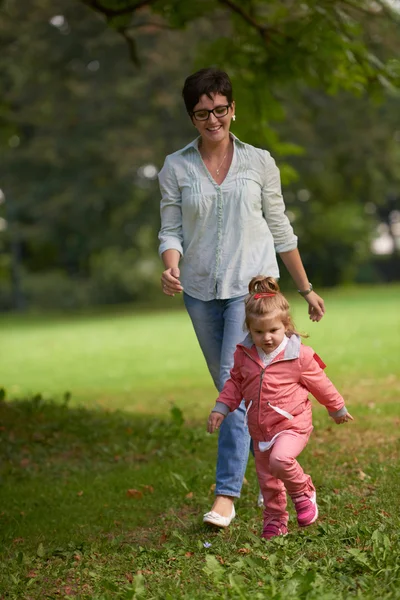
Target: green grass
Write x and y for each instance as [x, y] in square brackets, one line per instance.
[101, 494]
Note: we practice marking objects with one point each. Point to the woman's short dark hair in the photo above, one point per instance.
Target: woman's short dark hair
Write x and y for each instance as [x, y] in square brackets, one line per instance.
[206, 81]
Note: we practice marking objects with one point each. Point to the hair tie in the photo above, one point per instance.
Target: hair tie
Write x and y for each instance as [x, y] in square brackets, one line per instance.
[263, 295]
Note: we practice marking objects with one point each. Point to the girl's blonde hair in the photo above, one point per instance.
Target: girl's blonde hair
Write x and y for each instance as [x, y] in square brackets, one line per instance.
[265, 298]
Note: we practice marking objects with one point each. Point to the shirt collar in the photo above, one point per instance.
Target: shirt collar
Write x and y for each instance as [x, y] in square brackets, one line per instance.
[195, 143]
[268, 358]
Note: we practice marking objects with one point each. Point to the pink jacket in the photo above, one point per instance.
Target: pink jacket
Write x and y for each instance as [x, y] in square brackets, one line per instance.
[283, 385]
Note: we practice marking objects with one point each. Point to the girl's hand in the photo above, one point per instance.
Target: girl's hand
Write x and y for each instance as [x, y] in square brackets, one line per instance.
[343, 419]
[170, 281]
[214, 421]
[316, 307]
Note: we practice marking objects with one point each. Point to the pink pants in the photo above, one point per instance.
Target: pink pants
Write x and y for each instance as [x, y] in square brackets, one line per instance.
[279, 472]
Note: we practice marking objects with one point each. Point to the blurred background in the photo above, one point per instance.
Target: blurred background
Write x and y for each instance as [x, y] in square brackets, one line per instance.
[91, 104]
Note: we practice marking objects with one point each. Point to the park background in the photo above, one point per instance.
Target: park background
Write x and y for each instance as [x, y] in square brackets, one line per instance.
[106, 468]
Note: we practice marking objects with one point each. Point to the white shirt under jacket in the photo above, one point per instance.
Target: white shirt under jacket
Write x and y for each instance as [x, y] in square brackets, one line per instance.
[225, 233]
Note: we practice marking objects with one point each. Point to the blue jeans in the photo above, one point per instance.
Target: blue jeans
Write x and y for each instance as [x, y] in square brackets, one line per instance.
[219, 328]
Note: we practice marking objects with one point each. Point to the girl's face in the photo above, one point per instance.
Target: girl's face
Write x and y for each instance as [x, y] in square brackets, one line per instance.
[267, 332]
[214, 129]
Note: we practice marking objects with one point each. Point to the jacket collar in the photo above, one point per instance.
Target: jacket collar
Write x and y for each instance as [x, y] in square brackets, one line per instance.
[195, 144]
[291, 352]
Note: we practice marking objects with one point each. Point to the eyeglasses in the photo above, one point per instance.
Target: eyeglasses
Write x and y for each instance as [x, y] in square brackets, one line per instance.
[204, 113]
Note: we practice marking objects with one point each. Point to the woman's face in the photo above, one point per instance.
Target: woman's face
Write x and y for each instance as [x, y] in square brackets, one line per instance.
[214, 129]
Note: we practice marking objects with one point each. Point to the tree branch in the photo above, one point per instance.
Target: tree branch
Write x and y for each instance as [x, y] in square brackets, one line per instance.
[263, 30]
[389, 12]
[111, 12]
[131, 46]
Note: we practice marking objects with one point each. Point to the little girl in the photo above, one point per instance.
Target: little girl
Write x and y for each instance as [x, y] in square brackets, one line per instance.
[274, 373]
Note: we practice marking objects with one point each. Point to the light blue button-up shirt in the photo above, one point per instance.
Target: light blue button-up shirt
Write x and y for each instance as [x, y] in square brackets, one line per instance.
[225, 233]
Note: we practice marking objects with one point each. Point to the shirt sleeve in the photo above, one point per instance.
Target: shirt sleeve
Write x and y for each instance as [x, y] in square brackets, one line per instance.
[170, 235]
[318, 384]
[274, 208]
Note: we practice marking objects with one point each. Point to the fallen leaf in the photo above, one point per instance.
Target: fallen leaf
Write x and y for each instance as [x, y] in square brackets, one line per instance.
[163, 538]
[189, 496]
[212, 488]
[134, 494]
[244, 550]
[148, 488]
[80, 493]
[129, 577]
[32, 574]
[189, 554]
[68, 591]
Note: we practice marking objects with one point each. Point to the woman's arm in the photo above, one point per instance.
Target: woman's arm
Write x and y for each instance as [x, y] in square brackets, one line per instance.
[171, 235]
[170, 282]
[284, 239]
[293, 263]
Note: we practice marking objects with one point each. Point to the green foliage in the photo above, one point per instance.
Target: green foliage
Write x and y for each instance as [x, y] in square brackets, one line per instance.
[78, 122]
[324, 43]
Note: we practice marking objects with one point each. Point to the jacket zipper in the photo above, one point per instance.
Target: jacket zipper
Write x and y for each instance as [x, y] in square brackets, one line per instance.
[259, 397]
[282, 412]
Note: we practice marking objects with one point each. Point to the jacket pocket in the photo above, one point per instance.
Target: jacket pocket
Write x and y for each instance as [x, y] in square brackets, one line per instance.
[282, 412]
[246, 421]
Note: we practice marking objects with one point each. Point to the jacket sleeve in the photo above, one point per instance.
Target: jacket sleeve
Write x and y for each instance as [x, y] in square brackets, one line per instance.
[231, 394]
[318, 384]
[170, 235]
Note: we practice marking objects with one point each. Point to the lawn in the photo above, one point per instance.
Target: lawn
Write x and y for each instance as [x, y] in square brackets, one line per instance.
[106, 466]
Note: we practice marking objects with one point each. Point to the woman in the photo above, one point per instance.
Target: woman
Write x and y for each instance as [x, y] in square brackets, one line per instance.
[223, 221]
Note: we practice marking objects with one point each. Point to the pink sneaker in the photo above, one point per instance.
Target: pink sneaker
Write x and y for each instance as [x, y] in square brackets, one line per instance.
[273, 528]
[306, 509]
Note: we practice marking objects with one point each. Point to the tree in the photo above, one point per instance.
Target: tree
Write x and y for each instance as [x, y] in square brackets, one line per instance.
[83, 130]
[318, 42]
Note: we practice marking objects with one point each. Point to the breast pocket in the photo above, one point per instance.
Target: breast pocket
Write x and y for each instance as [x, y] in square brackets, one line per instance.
[249, 198]
[199, 206]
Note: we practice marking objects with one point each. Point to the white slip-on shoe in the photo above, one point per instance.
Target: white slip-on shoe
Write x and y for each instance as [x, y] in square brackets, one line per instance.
[213, 518]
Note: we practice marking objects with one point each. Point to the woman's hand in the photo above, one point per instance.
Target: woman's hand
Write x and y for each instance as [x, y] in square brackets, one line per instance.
[214, 421]
[170, 281]
[343, 419]
[316, 307]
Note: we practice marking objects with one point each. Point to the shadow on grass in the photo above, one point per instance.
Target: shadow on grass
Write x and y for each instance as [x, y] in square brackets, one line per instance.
[71, 472]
